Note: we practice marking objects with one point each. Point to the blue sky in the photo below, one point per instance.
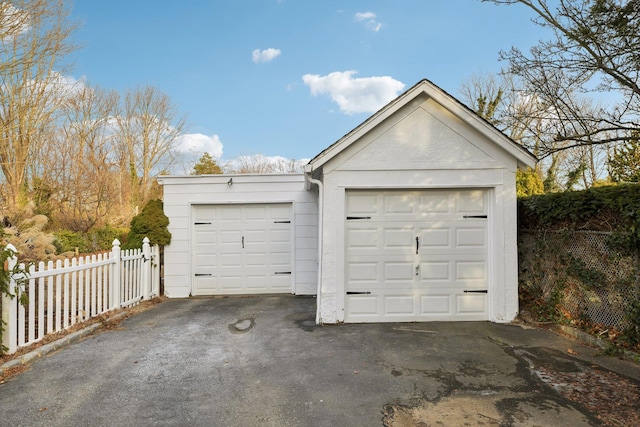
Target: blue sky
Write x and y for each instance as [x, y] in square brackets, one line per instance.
[289, 77]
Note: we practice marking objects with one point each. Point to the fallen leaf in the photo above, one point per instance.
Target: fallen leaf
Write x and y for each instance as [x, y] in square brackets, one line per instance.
[356, 372]
[571, 351]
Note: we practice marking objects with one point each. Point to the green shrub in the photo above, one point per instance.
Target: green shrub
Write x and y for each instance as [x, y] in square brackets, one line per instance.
[608, 208]
[151, 223]
[100, 239]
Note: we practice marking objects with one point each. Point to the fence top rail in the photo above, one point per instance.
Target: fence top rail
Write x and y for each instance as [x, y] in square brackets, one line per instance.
[64, 269]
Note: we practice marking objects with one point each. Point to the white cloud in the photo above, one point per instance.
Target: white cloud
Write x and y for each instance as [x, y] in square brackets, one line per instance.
[370, 20]
[198, 144]
[265, 55]
[354, 95]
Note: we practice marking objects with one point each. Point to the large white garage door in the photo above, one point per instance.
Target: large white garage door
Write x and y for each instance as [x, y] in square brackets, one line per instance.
[241, 249]
[416, 255]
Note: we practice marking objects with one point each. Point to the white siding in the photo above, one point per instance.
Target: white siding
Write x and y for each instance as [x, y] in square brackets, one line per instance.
[422, 146]
[181, 193]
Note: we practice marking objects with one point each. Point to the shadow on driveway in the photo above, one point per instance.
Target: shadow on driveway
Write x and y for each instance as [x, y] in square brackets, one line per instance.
[261, 361]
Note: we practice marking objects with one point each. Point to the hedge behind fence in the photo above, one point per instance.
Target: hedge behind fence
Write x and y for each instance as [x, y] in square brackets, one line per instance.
[579, 260]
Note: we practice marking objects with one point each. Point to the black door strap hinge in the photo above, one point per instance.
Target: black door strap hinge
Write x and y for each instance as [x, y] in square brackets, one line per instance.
[476, 291]
[474, 216]
[349, 218]
[358, 293]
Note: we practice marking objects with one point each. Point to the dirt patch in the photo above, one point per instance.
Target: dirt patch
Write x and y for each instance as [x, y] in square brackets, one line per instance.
[557, 387]
[451, 411]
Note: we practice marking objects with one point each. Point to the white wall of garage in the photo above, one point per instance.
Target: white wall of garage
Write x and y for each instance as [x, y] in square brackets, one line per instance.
[426, 140]
[181, 193]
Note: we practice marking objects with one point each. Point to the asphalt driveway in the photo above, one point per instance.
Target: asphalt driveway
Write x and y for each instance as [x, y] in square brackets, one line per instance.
[260, 361]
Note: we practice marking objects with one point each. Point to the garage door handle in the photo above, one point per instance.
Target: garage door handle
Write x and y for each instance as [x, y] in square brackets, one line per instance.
[476, 291]
[358, 293]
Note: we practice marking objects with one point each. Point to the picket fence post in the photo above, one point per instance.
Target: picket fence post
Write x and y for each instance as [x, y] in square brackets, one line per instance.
[10, 306]
[146, 268]
[115, 275]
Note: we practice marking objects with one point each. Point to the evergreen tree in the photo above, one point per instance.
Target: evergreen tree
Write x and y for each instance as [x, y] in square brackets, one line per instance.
[624, 162]
[151, 223]
[206, 166]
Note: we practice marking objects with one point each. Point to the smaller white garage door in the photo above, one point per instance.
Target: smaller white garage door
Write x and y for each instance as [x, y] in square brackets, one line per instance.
[241, 249]
[416, 255]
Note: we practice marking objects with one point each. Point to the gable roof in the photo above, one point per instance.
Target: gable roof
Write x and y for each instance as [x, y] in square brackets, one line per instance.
[524, 157]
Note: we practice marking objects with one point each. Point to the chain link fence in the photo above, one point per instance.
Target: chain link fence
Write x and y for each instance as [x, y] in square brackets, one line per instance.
[577, 276]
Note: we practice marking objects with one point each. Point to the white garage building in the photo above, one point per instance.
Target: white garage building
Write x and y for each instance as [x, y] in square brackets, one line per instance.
[409, 217]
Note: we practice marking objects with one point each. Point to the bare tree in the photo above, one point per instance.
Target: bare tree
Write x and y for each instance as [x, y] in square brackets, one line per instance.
[34, 42]
[528, 119]
[80, 161]
[148, 127]
[259, 163]
[594, 49]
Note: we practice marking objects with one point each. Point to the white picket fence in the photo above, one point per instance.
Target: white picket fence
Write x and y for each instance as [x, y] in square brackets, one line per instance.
[62, 294]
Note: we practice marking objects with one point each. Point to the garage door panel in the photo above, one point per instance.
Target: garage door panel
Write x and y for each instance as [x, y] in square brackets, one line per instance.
[280, 236]
[206, 237]
[208, 260]
[231, 236]
[437, 237]
[398, 238]
[471, 237]
[362, 204]
[363, 272]
[471, 201]
[403, 305]
[363, 306]
[435, 271]
[281, 212]
[398, 204]
[363, 238]
[255, 259]
[254, 236]
[435, 304]
[471, 303]
[280, 259]
[470, 271]
[394, 277]
[398, 272]
[245, 249]
[228, 260]
[434, 203]
[207, 283]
